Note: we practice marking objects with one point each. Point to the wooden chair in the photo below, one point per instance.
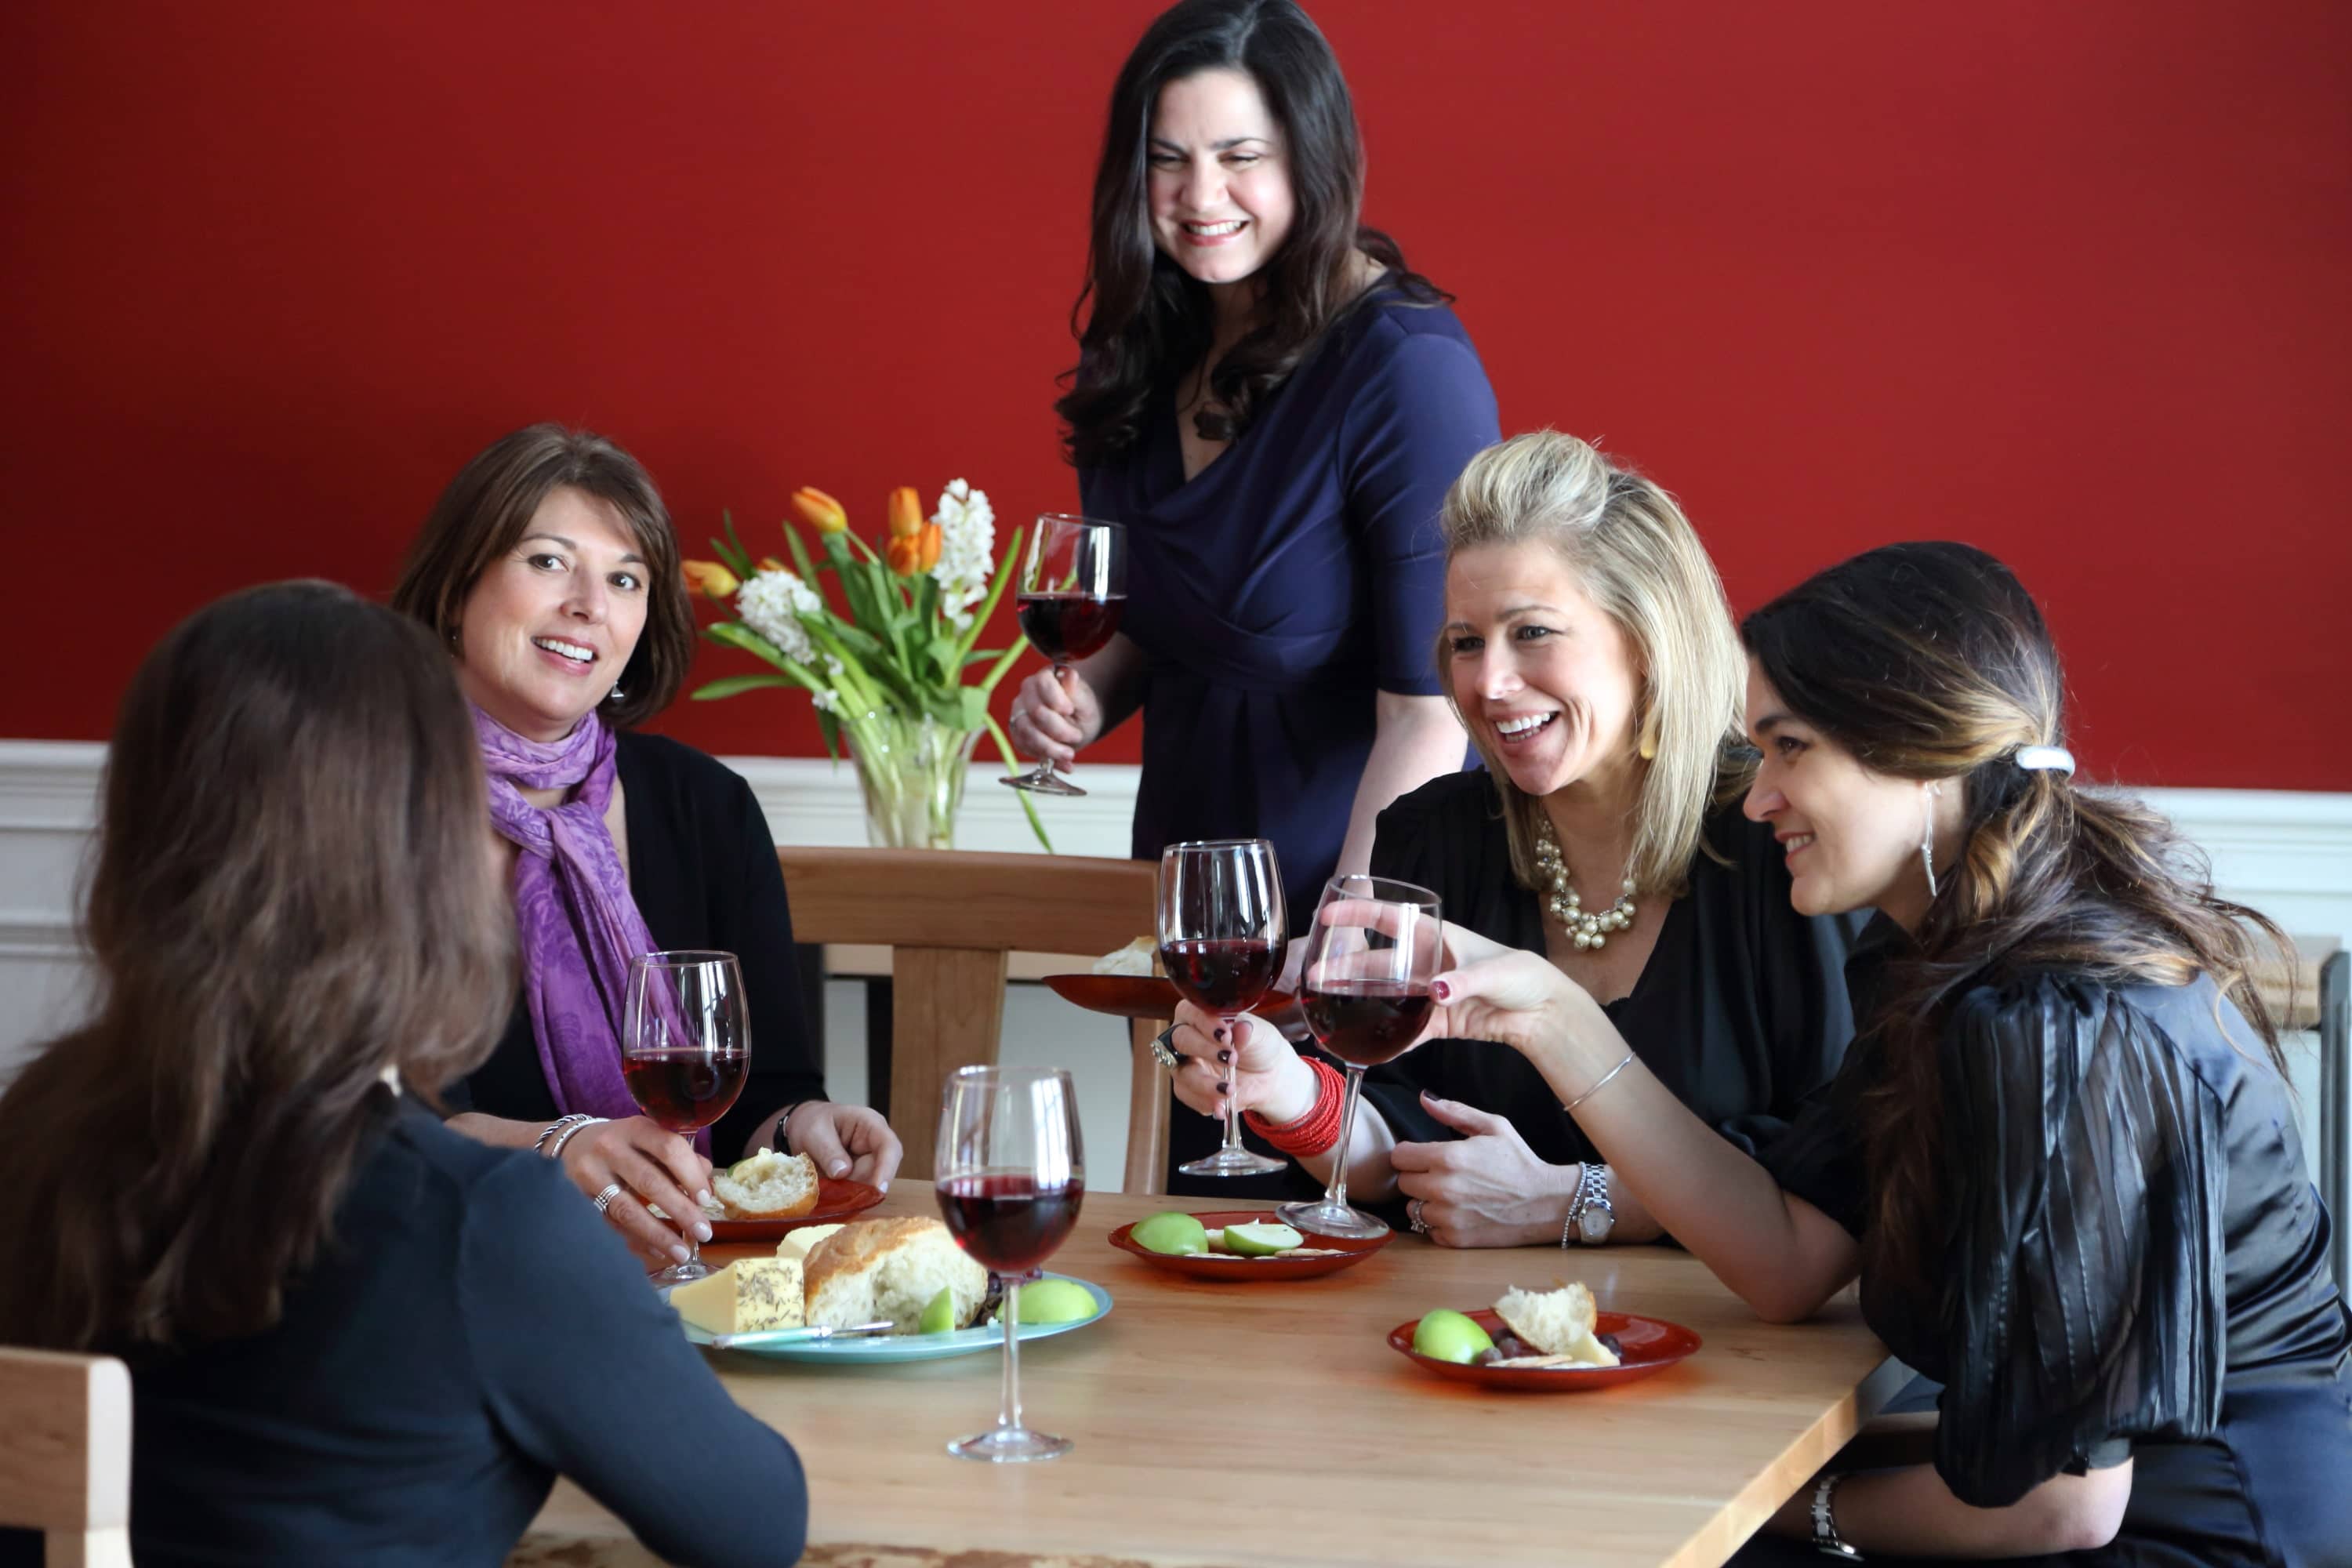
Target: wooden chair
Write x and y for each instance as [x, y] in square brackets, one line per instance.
[950, 918]
[65, 1455]
[2311, 989]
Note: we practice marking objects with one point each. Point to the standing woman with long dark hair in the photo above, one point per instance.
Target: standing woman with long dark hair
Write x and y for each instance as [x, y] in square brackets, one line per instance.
[1272, 404]
[2061, 1153]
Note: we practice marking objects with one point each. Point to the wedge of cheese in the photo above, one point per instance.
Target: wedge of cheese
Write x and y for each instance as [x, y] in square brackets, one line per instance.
[747, 1295]
[798, 1244]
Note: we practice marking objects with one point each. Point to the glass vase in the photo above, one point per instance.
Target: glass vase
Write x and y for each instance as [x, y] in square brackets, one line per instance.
[910, 772]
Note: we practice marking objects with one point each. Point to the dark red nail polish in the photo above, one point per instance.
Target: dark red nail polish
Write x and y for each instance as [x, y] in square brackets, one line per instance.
[1225, 1056]
[1217, 1035]
[1224, 1087]
[1440, 990]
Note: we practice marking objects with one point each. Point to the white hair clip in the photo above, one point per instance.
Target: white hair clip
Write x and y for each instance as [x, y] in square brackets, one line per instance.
[2040, 759]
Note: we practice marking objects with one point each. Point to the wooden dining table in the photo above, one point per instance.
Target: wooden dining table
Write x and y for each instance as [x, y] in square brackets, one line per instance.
[1270, 1422]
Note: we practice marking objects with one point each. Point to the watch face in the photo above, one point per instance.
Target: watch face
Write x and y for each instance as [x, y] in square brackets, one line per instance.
[1594, 1225]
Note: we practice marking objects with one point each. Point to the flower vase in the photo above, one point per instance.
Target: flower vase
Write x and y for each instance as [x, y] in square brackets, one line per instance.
[911, 772]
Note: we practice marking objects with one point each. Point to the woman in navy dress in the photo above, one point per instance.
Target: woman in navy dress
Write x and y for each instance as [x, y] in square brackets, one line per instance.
[1272, 404]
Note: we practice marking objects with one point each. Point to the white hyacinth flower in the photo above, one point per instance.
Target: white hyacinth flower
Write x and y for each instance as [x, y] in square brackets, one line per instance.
[967, 550]
[772, 604]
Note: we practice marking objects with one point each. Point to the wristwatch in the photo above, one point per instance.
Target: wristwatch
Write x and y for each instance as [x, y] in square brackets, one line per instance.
[778, 1139]
[1591, 1216]
[1826, 1538]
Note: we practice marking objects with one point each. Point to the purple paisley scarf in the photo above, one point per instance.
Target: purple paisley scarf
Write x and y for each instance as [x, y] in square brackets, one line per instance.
[579, 925]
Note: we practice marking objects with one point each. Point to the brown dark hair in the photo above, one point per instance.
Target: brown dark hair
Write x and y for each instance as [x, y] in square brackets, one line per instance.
[491, 501]
[292, 891]
[1151, 321]
[1930, 661]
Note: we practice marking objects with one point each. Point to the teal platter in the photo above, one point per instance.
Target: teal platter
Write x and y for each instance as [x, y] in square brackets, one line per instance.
[888, 1348]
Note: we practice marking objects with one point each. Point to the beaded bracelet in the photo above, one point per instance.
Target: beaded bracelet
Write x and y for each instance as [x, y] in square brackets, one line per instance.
[1318, 1130]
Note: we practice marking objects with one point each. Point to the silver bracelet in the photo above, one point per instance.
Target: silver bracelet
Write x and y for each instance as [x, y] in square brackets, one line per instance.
[555, 1150]
[538, 1144]
[1826, 1539]
[1622, 1064]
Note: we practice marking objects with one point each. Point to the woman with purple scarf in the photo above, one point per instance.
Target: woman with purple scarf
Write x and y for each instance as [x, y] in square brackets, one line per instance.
[550, 570]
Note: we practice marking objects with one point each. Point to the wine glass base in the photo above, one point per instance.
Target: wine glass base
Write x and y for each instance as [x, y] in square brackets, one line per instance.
[1009, 1446]
[1324, 1217]
[1048, 783]
[685, 1273]
[1233, 1163]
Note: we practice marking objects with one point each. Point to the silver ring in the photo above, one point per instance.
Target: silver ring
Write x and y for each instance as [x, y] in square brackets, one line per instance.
[603, 1200]
[1412, 1214]
[1165, 1054]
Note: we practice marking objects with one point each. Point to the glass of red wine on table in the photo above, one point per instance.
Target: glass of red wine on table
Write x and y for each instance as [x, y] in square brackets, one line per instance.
[1073, 589]
[1221, 944]
[1011, 1175]
[1376, 946]
[685, 1048]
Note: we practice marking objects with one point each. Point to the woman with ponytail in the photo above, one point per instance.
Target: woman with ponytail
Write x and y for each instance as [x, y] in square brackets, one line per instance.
[2061, 1155]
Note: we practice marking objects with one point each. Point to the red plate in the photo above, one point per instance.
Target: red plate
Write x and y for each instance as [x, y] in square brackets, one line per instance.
[835, 1201]
[1651, 1345]
[1219, 1266]
[1138, 995]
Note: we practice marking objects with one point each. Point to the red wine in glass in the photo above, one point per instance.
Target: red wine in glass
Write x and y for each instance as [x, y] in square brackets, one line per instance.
[1008, 1221]
[1225, 975]
[685, 1090]
[1366, 1022]
[1064, 626]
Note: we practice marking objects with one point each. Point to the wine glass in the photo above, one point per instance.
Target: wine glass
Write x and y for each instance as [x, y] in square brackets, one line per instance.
[1073, 589]
[685, 1048]
[1376, 946]
[1221, 944]
[1011, 1175]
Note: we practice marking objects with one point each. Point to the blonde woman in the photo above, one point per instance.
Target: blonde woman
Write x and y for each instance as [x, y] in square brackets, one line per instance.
[1590, 655]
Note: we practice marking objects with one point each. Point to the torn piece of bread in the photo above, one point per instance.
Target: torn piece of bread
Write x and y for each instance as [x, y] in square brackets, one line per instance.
[1135, 958]
[768, 1185]
[798, 1244]
[747, 1295]
[875, 1268]
[1556, 1322]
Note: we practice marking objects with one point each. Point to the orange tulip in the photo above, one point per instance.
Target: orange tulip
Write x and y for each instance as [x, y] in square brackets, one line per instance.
[770, 563]
[708, 578]
[819, 510]
[905, 555]
[930, 537]
[906, 512]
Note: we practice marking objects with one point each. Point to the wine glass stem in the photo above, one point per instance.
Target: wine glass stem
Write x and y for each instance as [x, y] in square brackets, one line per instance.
[1008, 1418]
[1336, 1194]
[1232, 1105]
[1045, 771]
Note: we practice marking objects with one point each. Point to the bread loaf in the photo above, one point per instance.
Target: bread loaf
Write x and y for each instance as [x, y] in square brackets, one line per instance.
[1556, 1323]
[768, 1185]
[873, 1269]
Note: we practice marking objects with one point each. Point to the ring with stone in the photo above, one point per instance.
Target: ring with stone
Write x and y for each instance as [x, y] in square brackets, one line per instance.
[603, 1200]
[1412, 1213]
[1163, 1052]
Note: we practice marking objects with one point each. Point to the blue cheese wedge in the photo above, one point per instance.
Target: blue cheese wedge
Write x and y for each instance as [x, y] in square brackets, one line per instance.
[749, 1295]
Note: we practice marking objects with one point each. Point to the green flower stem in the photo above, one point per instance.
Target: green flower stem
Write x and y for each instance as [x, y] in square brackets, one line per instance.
[1005, 750]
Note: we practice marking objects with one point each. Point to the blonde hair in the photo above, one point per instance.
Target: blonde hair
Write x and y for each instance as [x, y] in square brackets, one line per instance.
[1637, 556]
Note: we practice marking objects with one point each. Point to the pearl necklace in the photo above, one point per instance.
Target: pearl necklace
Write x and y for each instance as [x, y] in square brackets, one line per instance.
[1589, 930]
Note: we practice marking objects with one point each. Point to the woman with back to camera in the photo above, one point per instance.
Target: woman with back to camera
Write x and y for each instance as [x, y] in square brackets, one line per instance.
[1272, 403]
[1591, 653]
[2061, 1152]
[549, 571]
[355, 1336]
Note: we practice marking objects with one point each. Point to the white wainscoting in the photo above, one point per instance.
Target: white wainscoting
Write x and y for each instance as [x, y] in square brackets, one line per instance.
[2288, 854]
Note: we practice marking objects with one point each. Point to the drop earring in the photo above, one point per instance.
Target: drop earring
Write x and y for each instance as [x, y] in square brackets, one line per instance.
[1928, 841]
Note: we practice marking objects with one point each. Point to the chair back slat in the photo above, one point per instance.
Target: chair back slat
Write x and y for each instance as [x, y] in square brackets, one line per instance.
[65, 1453]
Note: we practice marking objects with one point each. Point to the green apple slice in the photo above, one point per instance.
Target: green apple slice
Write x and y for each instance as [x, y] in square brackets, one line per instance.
[939, 1313]
[1262, 1240]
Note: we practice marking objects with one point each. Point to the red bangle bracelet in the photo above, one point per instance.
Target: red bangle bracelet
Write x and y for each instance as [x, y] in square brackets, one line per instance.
[1318, 1130]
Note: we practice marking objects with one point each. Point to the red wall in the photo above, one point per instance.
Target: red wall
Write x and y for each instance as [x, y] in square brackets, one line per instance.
[2069, 281]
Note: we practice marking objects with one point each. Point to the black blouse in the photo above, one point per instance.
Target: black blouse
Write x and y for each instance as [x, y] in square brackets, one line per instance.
[1741, 1009]
[2136, 1266]
[702, 868]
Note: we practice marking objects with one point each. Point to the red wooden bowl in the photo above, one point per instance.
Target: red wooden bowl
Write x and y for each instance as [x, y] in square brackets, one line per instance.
[1346, 1252]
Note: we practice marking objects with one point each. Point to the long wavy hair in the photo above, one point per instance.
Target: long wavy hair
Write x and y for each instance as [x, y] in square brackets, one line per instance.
[1930, 661]
[1151, 321]
[292, 893]
[1637, 556]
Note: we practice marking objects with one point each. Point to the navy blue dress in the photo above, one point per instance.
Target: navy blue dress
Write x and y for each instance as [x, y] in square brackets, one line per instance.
[1291, 581]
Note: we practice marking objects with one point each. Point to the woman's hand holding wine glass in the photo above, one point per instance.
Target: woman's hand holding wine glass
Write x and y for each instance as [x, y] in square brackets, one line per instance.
[1221, 944]
[1254, 1067]
[1072, 590]
[686, 1049]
